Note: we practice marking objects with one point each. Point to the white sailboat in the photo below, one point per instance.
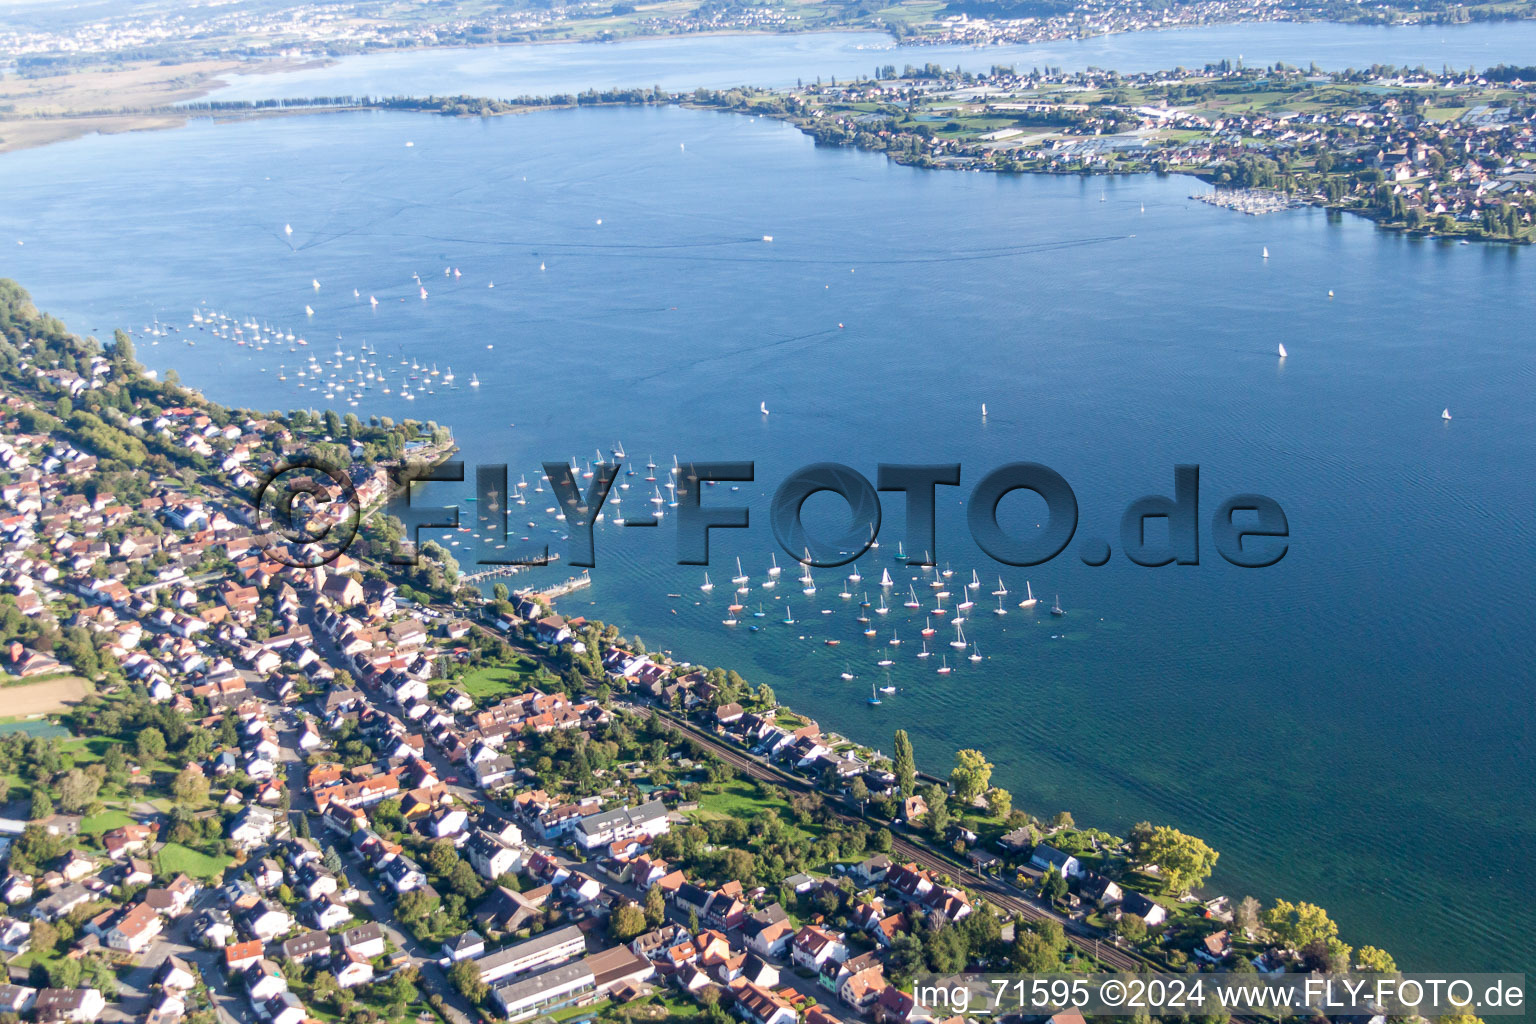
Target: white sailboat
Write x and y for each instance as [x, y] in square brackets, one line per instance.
[773, 565]
[885, 579]
[1000, 610]
[1030, 600]
[958, 643]
[912, 601]
[762, 407]
[706, 586]
[1266, 252]
[854, 576]
[1446, 415]
[975, 653]
[1283, 353]
[943, 668]
[1001, 591]
[740, 576]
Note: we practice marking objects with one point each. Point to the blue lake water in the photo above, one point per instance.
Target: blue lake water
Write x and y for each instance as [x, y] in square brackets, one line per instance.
[725, 60]
[1352, 726]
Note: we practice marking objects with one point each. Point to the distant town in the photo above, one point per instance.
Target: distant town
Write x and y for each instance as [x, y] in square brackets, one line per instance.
[243, 791]
[40, 39]
[1449, 153]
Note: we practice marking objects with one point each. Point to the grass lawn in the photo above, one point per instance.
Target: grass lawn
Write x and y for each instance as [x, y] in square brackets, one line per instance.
[175, 858]
[84, 750]
[499, 680]
[740, 798]
[96, 824]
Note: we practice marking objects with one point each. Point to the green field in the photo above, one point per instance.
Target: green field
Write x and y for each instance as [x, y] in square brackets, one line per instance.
[96, 824]
[500, 680]
[175, 858]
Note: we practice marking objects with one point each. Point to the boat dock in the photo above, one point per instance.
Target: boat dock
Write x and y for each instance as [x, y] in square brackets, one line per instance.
[561, 589]
[500, 571]
[1254, 202]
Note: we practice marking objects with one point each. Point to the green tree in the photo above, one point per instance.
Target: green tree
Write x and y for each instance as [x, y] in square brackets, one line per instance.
[1132, 928]
[971, 775]
[655, 907]
[150, 744]
[1185, 860]
[904, 765]
[999, 803]
[1369, 958]
[190, 787]
[76, 789]
[627, 921]
[465, 976]
[1295, 925]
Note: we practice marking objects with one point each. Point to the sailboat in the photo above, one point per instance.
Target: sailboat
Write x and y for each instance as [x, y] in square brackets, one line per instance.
[887, 689]
[1030, 600]
[975, 654]
[975, 580]
[928, 629]
[911, 601]
[773, 565]
[740, 576]
[885, 579]
[846, 674]
[901, 552]
[854, 576]
[1000, 610]
[789, 620]
[706, 586]
[895, 640]
[882, 610]
[474, 381]
[1282, 350]
[965, 600]
[1056, 608]
[943, 668]
[1446, 415]
[728, 621]
[1266, 252]
[924, 653]
[874, 698]
[958, 643]
[1001, 590]
[762, 407]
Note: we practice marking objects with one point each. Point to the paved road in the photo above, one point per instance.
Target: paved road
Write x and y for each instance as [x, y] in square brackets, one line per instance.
[138, 989]
[433, 979]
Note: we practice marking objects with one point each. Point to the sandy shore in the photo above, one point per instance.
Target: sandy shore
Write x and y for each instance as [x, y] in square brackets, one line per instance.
[56, 108]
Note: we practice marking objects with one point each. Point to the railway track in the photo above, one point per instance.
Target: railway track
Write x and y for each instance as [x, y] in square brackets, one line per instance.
[997, 891]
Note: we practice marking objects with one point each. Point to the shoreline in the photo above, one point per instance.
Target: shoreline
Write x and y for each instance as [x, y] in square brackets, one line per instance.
[22, 128]
[154, 120]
